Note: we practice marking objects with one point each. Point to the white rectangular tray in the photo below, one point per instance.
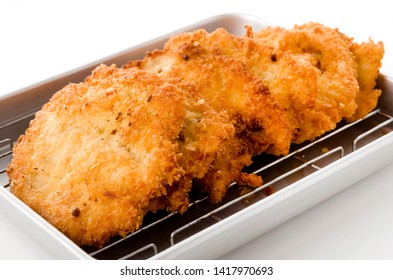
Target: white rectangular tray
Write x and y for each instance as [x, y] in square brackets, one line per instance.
[216, 229]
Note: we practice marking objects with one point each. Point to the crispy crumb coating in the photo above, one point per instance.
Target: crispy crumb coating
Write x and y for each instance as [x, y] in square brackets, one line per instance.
[229, 86]
[292, 83]
[328, 53]
[204, 138]
[101, 153]
[368, 57]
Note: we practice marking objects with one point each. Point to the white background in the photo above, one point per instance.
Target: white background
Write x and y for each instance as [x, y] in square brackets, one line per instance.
[41, 39]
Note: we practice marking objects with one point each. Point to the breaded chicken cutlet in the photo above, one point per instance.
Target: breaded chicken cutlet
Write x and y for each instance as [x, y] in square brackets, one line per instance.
[228, 86]
[346, 73]
[102, 153]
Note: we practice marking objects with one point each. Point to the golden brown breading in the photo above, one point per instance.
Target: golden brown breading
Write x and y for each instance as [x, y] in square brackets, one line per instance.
[317, 74]
[368, 57]
[327, 52]
[102, 153]
[291, 82]
[230, 87]
[204, 138]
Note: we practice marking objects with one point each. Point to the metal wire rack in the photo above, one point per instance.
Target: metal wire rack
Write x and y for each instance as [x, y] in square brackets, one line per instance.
[277, 173]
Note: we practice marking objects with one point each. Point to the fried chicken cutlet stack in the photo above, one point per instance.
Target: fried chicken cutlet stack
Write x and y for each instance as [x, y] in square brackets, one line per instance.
[317, 75]
[312, 74]
[103, 153]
